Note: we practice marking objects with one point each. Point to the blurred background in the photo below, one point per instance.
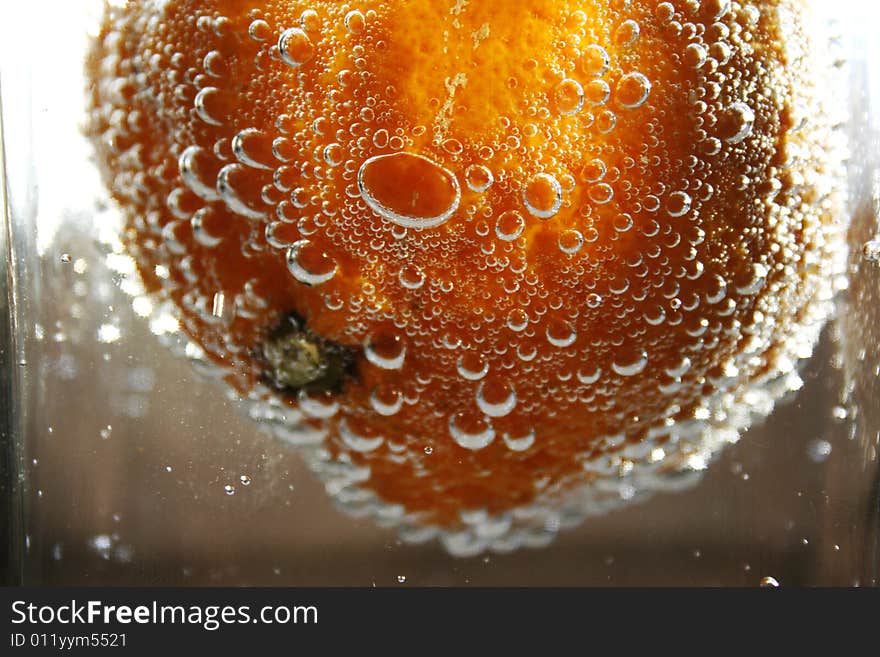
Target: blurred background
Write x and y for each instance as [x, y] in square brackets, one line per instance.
[123, 465]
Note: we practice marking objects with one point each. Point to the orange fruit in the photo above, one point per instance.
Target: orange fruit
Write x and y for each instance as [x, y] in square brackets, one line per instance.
[484, 253]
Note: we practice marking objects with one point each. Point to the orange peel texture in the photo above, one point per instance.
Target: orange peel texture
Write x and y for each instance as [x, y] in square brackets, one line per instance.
[478, 254]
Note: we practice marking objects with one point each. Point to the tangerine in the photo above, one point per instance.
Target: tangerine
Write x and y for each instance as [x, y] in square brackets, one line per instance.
[482, 252]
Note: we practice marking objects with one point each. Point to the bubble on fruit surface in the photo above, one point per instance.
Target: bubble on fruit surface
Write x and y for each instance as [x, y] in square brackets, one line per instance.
[517, 320]
[519, 441]
[411, 277]
[385, 350]
[570, 241]
[627, 33]
[472, 366]
[543, 196]
[479, 178]
[193, 162]
[635, 364]
[510, 225]
[386, 400]
[356, 441]
[410, 190]
[295, 47]
[871, 251]
[318, 405]
[309, 264]
[633, 90]
[595, 60]
[496, 398]
[737, 123]
[561, 333]
[233, 183]
[210, 105]
[569, 96]
[355, 22]
[470, 431]
[695, 55]
[678, 204]
[597, 93]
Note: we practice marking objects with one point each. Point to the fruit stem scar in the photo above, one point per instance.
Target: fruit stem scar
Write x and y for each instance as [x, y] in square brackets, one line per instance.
[296, 358]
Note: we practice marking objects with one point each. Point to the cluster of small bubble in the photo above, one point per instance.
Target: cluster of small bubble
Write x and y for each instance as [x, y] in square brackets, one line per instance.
[295, 172]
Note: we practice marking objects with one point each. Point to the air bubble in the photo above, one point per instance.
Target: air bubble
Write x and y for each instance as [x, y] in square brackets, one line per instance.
[472, 367]
[695, 55]
[678, 204]
[354, 22]
[601, 193]
[259, 30]
[309, 20]
[471, 432]
[633, 90]
[295, 47]
[595, 60]
[561, 333]
[510, 225]
[737, 123]
[409, 190]
[333, 155]
[631, 367]
[356, 441]
[819, 450]
[543, 196]
[249, 148]
[594, 171]
[570, 241]
[479, 178]
[194, 165]
[517, 320]
[232, 183]
[597, 92]
[201, 224]
[210, 106]
[309, 264]
[496, 398]
[411, 277]
[589, 377]
[386, 401]
[321, 406]
[569, 96]
[627, 33]
[519, 442]
[385, 350]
